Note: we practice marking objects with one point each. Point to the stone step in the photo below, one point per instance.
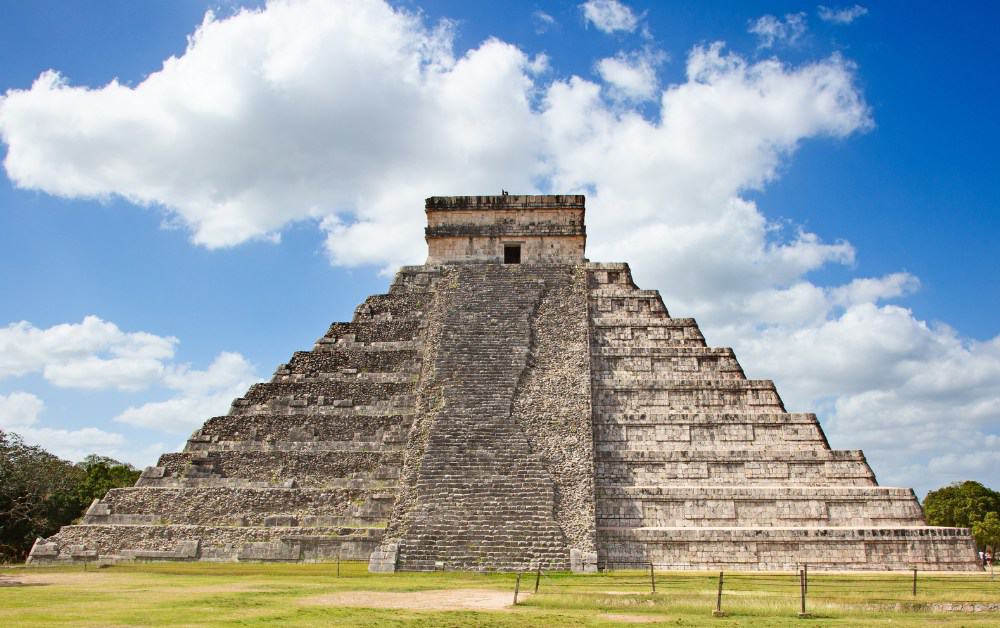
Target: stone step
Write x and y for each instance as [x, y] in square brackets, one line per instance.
[686, 395]
[621, 301]
[749, 416]
[357, 393]
[642, 323]
[393, 305]
[243, 506]
[347, 361]
[295, 447]
[326, 345]
[788, 548]
[746, 432]
[365, 332]
[350, 375]
[734, 455]
[707, 371]
[215, 543]
[805, 506]
[628, 351]
[300, 427]
[312, 469]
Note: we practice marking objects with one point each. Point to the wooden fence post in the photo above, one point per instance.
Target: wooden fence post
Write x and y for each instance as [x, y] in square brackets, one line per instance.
[538, 577]
[802, 595]
[718, 612]
[652, 578]
[517, 587]
[914, 582]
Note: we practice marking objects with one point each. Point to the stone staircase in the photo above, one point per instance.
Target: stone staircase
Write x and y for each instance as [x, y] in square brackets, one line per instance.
[485, 498]
[698, 467]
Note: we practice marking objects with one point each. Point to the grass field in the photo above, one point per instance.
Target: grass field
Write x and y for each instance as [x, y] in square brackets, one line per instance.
[203, 594]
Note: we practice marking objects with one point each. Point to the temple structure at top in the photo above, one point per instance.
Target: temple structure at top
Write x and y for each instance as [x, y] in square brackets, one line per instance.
[510, 405]
[522, 229]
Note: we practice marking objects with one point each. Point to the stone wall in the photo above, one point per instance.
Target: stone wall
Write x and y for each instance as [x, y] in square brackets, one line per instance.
[304, 467]
[699, 467]
[184, 542]
[548, 229]
[874, 548]
[535, 249]
[355, 507]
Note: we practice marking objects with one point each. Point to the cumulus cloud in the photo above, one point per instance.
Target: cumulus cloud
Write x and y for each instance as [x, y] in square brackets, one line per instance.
[96, 354]
[631, 77]
[841, 16]
[198, 395]
[348, 114]
[677, 213]
[345, 112]
[873, 289]
[609, 16]
[251, 139]
[91, 354]
[19, 409]
[913, 395]
[76, 444]
[771, 30]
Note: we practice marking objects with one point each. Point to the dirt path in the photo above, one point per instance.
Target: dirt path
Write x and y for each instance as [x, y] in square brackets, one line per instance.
[55, 578]
[438, 600]
[632, 619]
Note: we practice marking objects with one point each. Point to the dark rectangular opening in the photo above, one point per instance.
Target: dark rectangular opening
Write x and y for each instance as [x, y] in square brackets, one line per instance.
[512, 254]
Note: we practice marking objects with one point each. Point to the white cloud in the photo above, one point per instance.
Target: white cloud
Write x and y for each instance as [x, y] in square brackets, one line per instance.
[75, 444]
[841, 16]
[199, 395]
[631, 77]
[19, 409]
[345, 111]
[91, 354]
[675, 213]
[920, 400]
[770, 29]
[872, 289]
[609, 16]
[350, 114]
[543, 22]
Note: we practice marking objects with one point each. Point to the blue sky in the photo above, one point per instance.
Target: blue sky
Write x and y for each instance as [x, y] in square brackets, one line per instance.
[821, 197]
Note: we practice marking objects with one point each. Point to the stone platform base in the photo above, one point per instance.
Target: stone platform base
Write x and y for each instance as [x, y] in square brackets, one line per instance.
[780, 549]
[188, 543]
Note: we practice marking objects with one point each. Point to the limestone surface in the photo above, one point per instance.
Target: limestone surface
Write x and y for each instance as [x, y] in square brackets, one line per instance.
[510, 405]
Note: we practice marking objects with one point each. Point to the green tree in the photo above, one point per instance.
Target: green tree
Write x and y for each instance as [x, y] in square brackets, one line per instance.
[39, 492]
[101, 474]
[987, 531]
[960, 504]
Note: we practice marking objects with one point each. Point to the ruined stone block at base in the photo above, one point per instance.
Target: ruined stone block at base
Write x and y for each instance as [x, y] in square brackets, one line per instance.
[383, 559]
[582, 562]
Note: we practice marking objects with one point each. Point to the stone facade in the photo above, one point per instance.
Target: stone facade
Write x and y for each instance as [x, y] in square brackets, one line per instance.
[479, 228]
[484, 415]
[304, 467]
[698, 467]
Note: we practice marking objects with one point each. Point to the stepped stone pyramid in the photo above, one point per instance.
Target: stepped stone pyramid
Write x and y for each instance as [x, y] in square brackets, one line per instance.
[509, 405]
